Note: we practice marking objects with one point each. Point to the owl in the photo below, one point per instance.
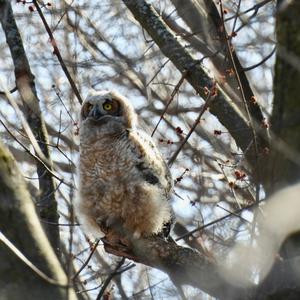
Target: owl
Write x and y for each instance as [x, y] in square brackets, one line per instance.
[123, 177]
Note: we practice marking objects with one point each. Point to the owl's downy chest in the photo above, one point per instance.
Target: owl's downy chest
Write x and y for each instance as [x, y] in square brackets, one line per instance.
[107, 162]
[107, 176]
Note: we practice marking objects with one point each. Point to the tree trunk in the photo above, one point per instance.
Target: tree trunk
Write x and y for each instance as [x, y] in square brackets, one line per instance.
[20, 226]
[284, 165]
[25, 84]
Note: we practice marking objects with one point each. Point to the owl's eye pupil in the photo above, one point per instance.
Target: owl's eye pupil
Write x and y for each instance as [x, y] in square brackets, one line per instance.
[107, 106]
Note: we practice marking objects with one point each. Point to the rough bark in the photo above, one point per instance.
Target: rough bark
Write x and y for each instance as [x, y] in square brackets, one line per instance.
[183, 265]
[20, 225]
[205, 22]
[47, 204]
[241, 131]
[283, 166]
[222, 106]
[284, 163]
[186, 266]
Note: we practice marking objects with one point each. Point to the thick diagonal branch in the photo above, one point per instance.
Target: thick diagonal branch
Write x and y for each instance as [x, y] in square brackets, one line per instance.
[26, 87]
[20, 227]
[183, 265]
[222, 107]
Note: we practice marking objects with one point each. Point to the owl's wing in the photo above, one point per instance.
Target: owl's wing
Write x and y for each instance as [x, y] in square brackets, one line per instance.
[142, 126]
[153, 169]
[149, 161]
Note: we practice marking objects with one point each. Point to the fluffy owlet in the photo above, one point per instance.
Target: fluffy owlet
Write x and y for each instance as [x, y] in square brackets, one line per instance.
[123, 177]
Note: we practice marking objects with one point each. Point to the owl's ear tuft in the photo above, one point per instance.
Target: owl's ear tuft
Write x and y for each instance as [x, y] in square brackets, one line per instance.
[85, 110]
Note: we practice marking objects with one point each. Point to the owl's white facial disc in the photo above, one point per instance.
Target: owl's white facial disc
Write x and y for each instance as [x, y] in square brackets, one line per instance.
[101, 107]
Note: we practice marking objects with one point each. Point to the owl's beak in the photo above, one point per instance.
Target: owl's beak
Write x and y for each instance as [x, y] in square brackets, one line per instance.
[96, 112]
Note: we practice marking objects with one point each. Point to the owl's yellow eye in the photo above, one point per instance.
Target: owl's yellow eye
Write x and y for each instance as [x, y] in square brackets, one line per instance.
[111, 107]
[107, 106]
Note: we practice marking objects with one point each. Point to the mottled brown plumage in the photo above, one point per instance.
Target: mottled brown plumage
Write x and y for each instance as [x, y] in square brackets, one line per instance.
[123, 178]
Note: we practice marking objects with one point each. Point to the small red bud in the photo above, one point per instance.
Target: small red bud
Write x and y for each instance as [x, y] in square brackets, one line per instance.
[253, 100]
[265, 124]
[179, 130]
[266, 151]
[239, 174]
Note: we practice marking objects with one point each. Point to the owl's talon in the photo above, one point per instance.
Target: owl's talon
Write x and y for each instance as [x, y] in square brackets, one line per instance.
[110, 221]
[102, 223]
[136, 235]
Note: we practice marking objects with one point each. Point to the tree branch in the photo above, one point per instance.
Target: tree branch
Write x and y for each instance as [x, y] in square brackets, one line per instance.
[26, 87]
[222, 107]
[20, 225]
[183, 265]
[225, 278]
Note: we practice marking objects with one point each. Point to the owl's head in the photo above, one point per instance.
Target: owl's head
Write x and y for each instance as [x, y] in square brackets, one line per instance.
[104, 107]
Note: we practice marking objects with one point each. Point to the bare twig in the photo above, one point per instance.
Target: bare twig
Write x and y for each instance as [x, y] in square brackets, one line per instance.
[94, 247]
[217, 220]
[175, 91]
[255, 8]
[157, 72]
[197, 75]
[112, 274]
[36, 130]
[236, 17]
[203, 109]
[246, 69]
[36, 158]
[10, 91]
[246, 105]
[57, 52]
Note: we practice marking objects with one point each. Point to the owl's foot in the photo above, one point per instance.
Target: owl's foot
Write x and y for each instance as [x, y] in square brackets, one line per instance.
[106, 223]
[118, 248]
[117, 243]
[137, 234]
